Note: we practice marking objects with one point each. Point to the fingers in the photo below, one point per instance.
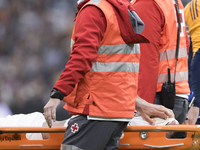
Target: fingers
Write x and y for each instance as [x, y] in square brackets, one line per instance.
[54, 114]
[159, 111]
[154, 111]
[48, 116]
[186, 122]
[149, 120]
[169, 113]
[174, 122]
[50, 111]
[162, 115]
[165, 112]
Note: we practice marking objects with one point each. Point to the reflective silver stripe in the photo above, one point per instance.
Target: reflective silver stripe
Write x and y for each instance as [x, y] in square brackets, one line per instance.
[116, 49]
[170, 54]
[94, 2]
[69, 147]
[119, 49]
[72, 43]
[115, 67]
[180, 76]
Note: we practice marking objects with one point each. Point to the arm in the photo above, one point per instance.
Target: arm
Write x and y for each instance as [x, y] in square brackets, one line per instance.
[153, 19]
[91, 27]
[192, 115]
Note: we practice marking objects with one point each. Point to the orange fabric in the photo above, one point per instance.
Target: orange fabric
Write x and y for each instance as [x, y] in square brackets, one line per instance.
[167, 42]
[14, 138]
[108, 94]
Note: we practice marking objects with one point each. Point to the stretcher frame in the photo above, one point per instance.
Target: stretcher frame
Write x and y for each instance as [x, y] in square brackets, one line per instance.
[134, 138]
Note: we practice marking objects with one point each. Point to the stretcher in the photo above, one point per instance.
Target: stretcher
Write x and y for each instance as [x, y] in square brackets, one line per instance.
[134, 138]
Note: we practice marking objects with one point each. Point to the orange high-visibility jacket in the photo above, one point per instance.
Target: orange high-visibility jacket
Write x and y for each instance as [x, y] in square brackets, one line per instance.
[110, 88]
[168, 48]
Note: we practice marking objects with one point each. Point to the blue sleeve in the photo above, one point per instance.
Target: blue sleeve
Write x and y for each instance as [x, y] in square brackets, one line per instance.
[195, 78]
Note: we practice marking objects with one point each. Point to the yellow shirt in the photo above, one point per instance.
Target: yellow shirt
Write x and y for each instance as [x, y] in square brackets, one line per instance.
[192, 18]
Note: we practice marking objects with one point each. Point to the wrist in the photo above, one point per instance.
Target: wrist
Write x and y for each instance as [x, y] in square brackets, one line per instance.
[140, 103]
[55, 93]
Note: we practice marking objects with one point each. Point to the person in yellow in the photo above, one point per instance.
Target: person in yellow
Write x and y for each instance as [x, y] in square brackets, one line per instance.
[192, 18]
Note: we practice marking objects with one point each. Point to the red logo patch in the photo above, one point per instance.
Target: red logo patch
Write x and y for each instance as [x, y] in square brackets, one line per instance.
[74, 127]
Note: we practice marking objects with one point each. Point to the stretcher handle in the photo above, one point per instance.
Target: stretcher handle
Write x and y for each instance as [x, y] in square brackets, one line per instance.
[32, 130]
[164, 146]
[170, 128]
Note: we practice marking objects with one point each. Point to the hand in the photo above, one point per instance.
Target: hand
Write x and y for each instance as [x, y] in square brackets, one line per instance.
[148, 110]
[192, 115]
[50, 110]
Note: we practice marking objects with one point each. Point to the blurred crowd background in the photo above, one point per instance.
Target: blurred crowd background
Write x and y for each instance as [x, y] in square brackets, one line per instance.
[34, 48]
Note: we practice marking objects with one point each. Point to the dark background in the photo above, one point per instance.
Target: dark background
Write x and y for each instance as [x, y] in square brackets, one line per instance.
[34, 48]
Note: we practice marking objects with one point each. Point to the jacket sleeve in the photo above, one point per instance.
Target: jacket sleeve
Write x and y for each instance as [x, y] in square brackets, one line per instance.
[91, 25]
[153, 18]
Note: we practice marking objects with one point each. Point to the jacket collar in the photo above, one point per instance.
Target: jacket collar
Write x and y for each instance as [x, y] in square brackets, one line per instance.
[121, 8]
[81, 3]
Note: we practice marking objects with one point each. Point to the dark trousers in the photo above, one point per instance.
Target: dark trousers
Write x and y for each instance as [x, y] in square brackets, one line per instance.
[83, 134]
[180, 107]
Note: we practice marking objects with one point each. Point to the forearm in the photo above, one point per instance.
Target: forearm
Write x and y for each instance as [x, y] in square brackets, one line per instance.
[192, 115]
[140, 103]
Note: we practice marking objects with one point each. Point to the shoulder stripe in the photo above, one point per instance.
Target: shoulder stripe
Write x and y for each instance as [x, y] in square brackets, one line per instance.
[196, 8]
[191, 11]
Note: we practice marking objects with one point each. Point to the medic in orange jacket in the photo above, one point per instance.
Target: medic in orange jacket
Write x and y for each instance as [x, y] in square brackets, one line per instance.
[90, 27]
[161, 30]
[105, 72]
